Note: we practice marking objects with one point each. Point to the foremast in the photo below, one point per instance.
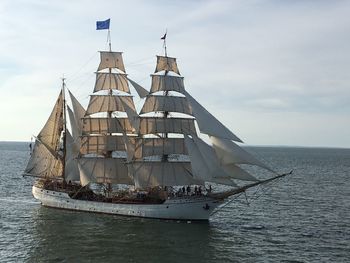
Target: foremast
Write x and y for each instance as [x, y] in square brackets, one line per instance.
[110, 122]
[46, 160]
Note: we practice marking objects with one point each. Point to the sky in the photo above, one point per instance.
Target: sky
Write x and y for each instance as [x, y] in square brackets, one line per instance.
[274, 72]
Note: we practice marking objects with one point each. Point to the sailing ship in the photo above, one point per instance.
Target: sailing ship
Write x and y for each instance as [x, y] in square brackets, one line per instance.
[155, 164]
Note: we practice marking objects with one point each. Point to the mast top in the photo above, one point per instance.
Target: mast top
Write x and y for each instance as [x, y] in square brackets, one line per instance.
[109, 40]
[164, 42]
[63, 81]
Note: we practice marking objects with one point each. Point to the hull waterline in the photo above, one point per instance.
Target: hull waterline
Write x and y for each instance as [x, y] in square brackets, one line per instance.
[185, 208]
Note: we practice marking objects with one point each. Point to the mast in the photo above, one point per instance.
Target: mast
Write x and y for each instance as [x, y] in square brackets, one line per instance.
[109, 119]
[173, 135]
[166, 113]
[64, 129]
[161, 158]
[164, 42]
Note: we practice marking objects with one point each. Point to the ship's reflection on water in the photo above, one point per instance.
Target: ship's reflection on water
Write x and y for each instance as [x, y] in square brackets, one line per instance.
[77, 236]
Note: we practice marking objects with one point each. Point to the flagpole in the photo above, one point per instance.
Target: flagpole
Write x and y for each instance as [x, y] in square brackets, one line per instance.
[109, 40]
[164, 42]
[165, 47]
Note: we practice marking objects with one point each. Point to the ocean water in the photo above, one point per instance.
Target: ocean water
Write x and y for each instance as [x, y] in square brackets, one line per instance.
[302, 218]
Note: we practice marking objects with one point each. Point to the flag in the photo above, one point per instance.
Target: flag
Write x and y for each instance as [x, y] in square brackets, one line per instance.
[163, 37]
[102, 24]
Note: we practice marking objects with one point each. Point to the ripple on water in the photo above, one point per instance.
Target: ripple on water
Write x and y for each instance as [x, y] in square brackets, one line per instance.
[304, 218]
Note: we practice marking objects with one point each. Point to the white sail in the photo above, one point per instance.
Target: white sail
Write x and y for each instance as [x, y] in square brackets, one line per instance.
[159, 146]
[107, 103]
[166, 103]
[103, 170]
[43, 163]
[167, 64]
[51, 132]
[139, 89]
[151, 174]
[152, 125]
[130, 110]
[230, 153]
[129, 143]
[79, 113]
[204, 164]
[207, 123]
[71, 172]
[111, 60]
[106, 125]
[167, 83]
[101, 144]
[238, 173]
[111, 81]
[233, 171]
[75, 127]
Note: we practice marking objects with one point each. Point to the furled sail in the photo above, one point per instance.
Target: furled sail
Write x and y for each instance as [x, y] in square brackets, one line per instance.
[111, 59]
[103, 170]
[167, 83]
[111, 81]
[207, 123]
[166, 103]
[167, 64]
[150, 174]
[230, 153]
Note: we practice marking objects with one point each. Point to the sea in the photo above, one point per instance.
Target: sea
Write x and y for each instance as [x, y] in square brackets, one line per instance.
[304, 217]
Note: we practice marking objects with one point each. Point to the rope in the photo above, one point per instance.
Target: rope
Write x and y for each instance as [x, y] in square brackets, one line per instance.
[138, 62]
[226, 204]
[72, 77]
[254, 196]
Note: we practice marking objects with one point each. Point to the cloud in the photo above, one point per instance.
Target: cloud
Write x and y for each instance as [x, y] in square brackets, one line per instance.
[276, 58]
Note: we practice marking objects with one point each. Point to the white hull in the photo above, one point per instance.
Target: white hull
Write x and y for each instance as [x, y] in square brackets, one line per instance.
[185, 208]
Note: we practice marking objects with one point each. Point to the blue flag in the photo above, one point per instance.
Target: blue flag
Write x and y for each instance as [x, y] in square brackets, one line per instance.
[103, 24]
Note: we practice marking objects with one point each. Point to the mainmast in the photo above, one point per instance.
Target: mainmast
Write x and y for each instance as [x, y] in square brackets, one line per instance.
[166, 113]
[161, 158]
[171, 135]
[64, 134]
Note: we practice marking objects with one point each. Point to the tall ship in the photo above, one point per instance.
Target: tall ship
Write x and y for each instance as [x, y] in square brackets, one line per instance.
[171, 160]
